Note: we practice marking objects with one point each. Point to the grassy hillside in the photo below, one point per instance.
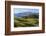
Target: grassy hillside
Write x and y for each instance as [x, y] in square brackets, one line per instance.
[25, 22]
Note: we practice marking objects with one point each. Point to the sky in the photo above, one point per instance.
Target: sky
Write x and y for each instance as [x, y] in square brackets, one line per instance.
[21, 10]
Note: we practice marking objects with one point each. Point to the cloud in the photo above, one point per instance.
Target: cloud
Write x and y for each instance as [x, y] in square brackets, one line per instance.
[20, 10]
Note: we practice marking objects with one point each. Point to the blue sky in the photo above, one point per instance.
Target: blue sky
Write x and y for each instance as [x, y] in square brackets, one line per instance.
[21, 10]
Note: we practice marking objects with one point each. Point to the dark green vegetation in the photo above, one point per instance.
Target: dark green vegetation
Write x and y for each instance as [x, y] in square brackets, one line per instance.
[26, 21]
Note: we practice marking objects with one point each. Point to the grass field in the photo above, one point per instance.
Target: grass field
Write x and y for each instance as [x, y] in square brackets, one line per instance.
[25, 22]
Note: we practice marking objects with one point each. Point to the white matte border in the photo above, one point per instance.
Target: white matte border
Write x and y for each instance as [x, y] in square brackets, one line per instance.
[25, 28]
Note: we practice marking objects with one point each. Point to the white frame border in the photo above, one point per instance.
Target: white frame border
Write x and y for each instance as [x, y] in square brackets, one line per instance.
[27, 28]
